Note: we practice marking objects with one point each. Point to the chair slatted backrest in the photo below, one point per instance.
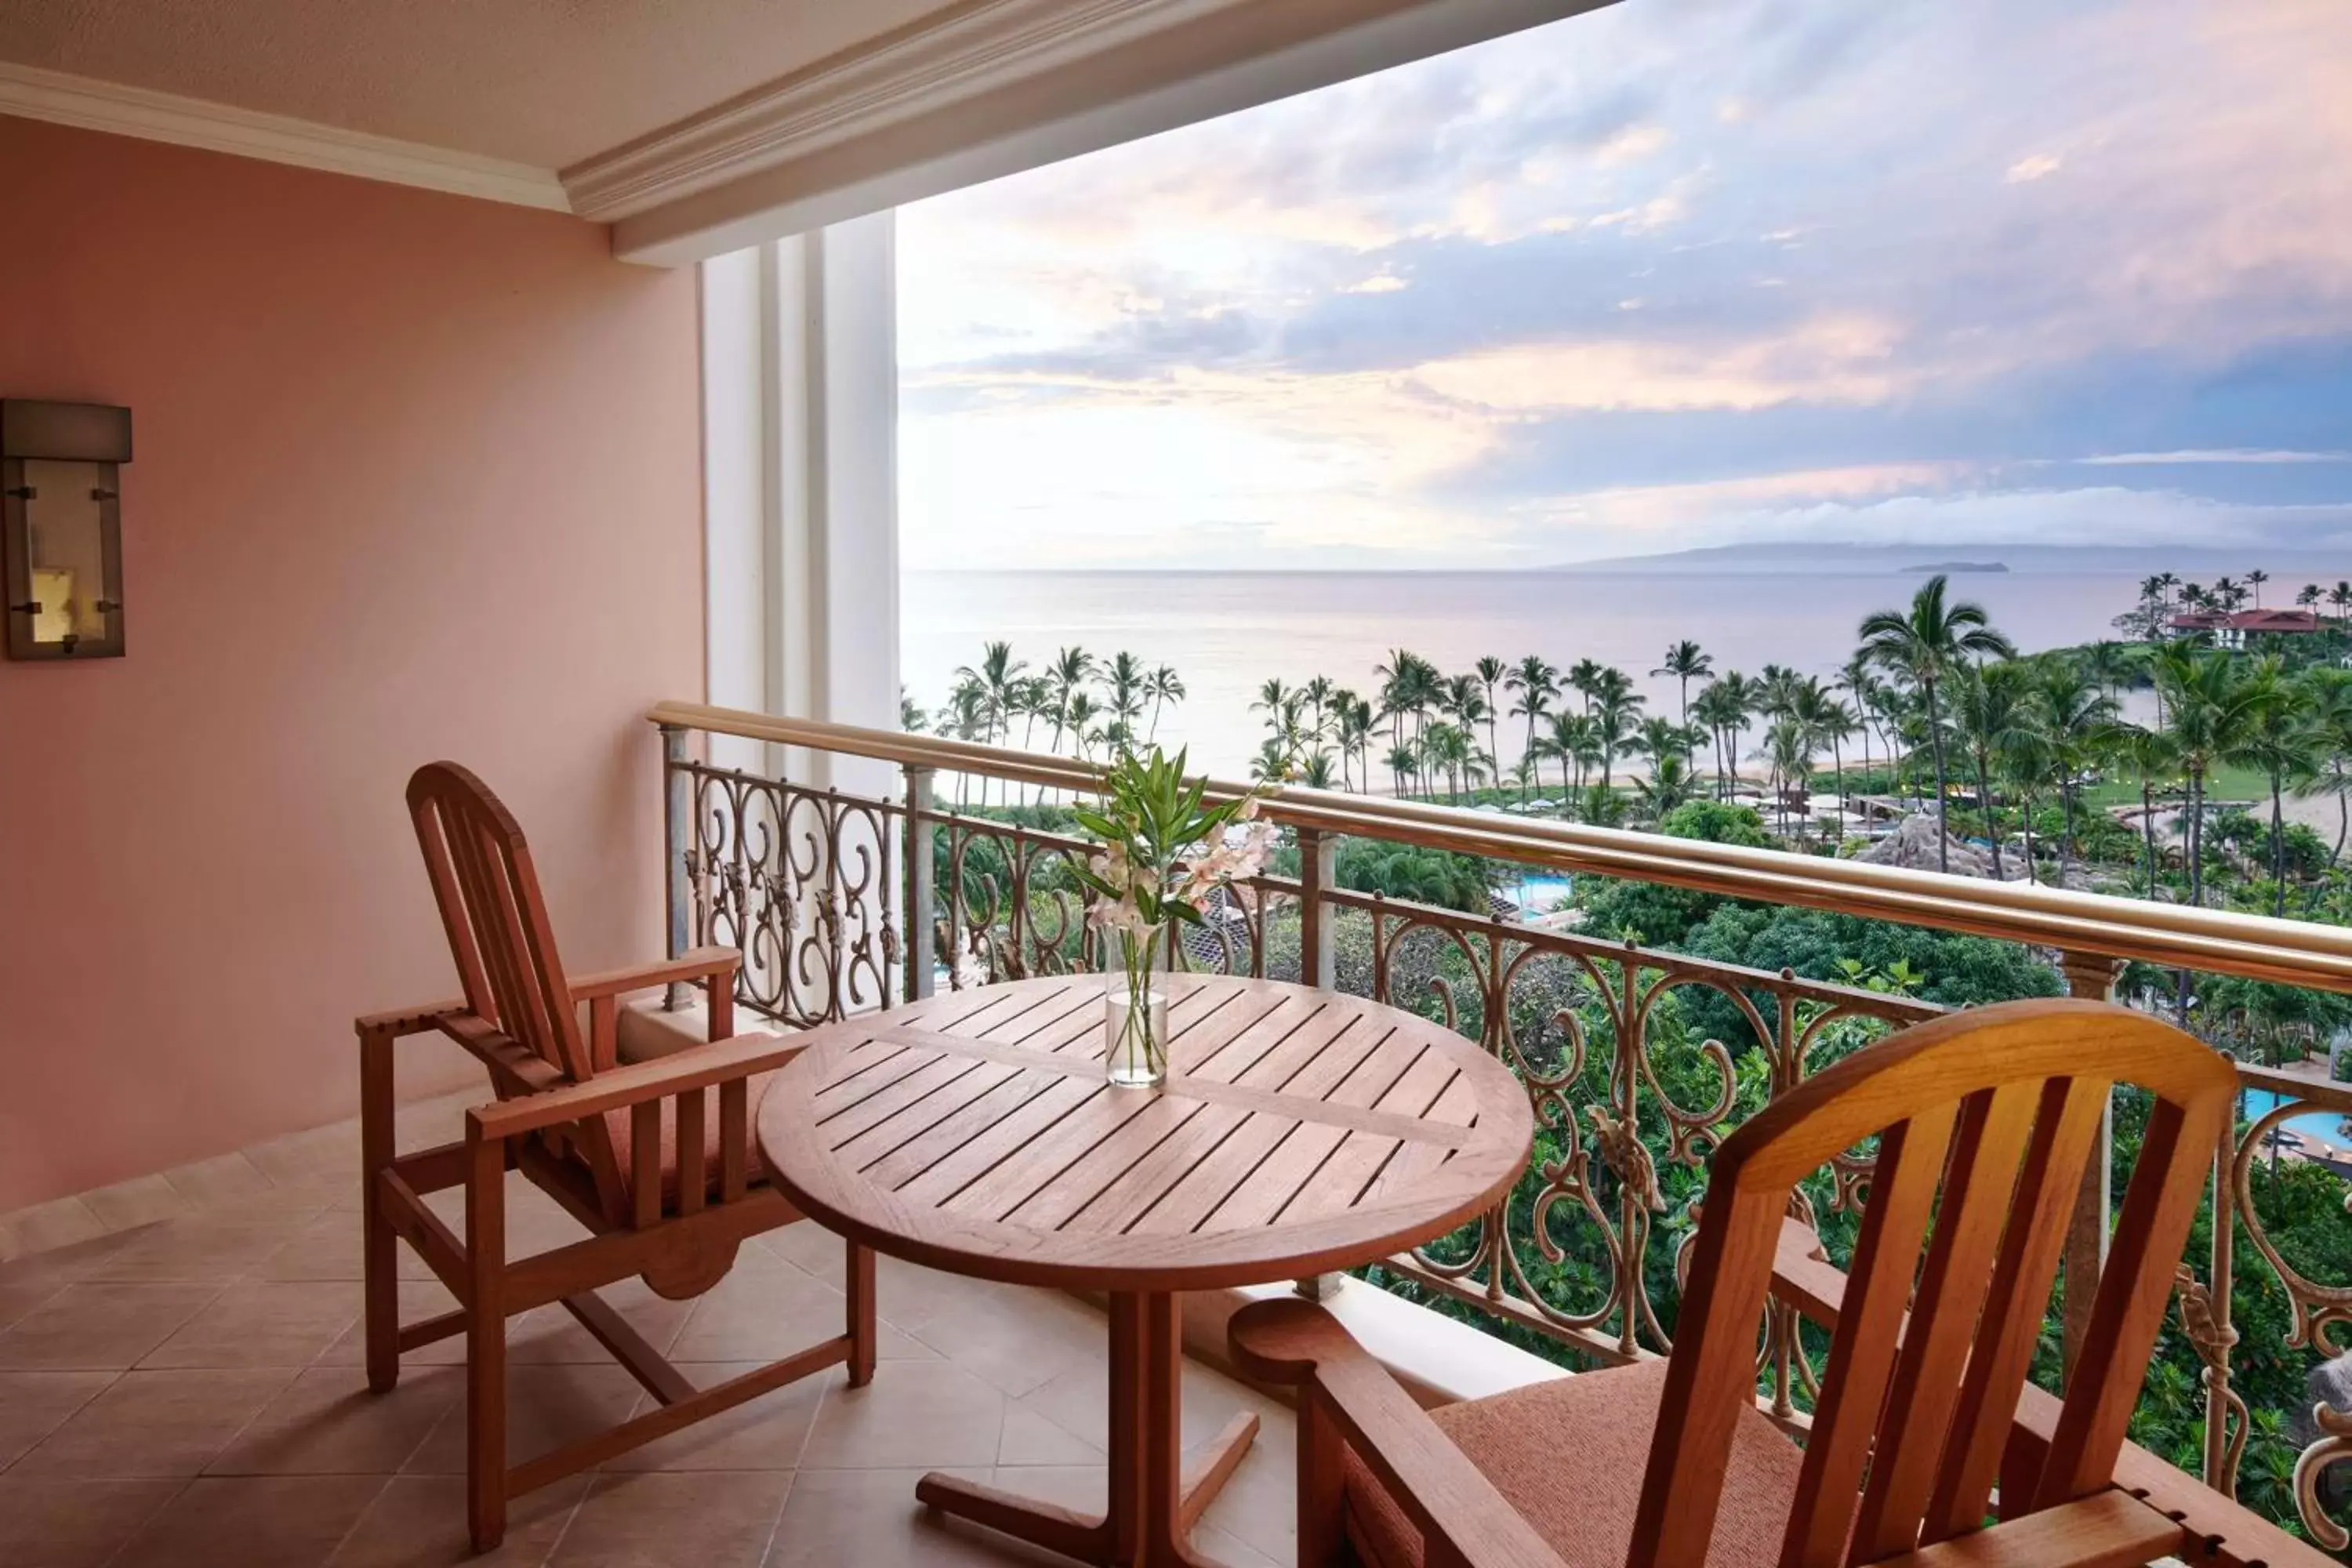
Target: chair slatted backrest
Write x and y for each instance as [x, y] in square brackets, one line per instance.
[515, 986]
[1987, 1122]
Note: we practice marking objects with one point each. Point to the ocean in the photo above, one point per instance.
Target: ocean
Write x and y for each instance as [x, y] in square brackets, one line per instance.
[1228, 632]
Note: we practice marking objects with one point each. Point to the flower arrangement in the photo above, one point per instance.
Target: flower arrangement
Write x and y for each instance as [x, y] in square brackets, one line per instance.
[1165, 848]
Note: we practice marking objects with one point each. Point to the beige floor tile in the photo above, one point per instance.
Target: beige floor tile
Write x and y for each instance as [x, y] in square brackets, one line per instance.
[716, 1520]
[224, 1178]
[913, 1413]
[766, 1309]
[18, 1301]
[547, 1408]
[155, 1424]
[210, 1247]
[870, 1519]
[419, 1521]
[767, 1434]
[142, 1201]
[419, 1300]
[263, 1322]
[59, 1223]
[552, 1333]
[1016, 1338]
[35, 1403]
[326, 1423]
[300, 1157]
[60, 1266]
[48, 1523]
[252, 1521]
[1078, 1401]
[1029, 1438]
[94, 1326]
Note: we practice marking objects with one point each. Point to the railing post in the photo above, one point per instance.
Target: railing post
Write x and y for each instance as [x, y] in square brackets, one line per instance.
[922, 892]
[678, 812]
[2090, 976]
[1318, 860]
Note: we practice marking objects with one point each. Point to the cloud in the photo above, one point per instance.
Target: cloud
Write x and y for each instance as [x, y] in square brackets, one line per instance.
[2210, 455]
[1395, 314]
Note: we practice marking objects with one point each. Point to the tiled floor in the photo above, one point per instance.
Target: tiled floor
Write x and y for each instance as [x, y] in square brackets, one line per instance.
[189, 1393]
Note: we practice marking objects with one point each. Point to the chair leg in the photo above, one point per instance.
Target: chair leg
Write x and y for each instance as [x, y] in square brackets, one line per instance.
[380, 1247]
[1321, 1538]
[486, 1345]
[862, 1338]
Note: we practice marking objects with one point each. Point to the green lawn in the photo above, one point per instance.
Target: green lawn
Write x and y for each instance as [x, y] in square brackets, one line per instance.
[2222, 783]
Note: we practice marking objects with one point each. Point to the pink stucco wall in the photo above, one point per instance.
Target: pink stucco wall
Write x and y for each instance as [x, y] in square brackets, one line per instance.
[416, 476]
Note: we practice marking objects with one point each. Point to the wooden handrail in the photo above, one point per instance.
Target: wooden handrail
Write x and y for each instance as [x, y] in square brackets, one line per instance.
[2291, 953]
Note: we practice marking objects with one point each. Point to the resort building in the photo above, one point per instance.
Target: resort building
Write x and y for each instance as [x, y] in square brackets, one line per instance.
[2229, 629]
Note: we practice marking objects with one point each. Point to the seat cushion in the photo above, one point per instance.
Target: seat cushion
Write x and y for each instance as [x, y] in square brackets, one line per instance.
[620, 1128]
[1569, 1455]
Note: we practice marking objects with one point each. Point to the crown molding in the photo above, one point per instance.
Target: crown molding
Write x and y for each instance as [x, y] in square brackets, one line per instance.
[89, 104]
[934, 63]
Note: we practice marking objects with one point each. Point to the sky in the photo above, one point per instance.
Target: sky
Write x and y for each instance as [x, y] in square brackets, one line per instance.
[1672, 274]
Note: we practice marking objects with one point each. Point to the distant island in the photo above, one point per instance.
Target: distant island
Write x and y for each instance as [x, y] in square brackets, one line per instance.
[1960, 566]
[1856, 558]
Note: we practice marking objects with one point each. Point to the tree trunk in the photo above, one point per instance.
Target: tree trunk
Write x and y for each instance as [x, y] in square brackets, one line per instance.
[2148, 829]
[1992, 829]
[2278, 849]
[1943, 793]
[2025, 805]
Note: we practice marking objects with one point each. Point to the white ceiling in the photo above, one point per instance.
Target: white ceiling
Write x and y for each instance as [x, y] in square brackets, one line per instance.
[540, 82]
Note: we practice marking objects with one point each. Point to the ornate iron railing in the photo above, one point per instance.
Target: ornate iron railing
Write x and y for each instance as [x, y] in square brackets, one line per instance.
[1638, 1061]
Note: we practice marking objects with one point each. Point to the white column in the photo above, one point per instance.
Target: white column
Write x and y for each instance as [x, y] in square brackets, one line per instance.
[800, 451]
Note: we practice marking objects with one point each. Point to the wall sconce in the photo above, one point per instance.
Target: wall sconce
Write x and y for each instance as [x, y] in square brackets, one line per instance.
[61, 527]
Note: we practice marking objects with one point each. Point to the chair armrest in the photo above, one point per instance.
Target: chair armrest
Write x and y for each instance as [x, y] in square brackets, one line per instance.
[400, 1021]
[2222, 1530]
[1296, 1342]
[1803, 1276]
[745, 1056]
[694, 965]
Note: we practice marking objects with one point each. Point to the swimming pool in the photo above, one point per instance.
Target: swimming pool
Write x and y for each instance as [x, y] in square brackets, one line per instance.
[1540, 893]
[2327, 1126]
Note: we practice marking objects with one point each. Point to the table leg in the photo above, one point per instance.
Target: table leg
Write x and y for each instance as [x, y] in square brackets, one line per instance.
[1155, 1497]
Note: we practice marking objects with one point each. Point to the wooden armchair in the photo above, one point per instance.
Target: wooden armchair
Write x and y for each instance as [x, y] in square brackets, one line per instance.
[1987, 1120]
[667, 1189]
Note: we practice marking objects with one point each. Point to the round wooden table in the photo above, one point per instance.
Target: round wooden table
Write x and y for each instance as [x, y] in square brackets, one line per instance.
[1299, 1132]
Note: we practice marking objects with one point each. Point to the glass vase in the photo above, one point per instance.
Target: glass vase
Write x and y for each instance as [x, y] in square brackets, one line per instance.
[1135, 1011]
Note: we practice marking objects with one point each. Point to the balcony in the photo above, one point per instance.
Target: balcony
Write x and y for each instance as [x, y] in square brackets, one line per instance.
[190, 1391]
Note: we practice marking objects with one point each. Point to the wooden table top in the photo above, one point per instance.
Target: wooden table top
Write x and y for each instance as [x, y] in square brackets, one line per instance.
[1299, 1132]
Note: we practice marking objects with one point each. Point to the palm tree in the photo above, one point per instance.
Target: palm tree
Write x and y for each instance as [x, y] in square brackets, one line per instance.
[911, 719]
[2167, 582]
[996, 677]
[1788, 752]
[1123, 680]
[2210, 711]
[1991, 711]
[1832, 721]
[1318, 695]
[2112, 666]
[1686, 662]
[1071, 670]
[1317, 774]
[2027, 763]
[2281, 741]
[2076, 719]
[1718, 709]
[1537, 684]
[2339, 599]
[1490, 671]
[1666, 787]
[1616, 710]
[2255, 579]
[2152, 755]
[1925, 646]
[2307, 596]
[1581, 676]
[2331, 717]
[1080, 713]
[1163, 686]
[1572, 741]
